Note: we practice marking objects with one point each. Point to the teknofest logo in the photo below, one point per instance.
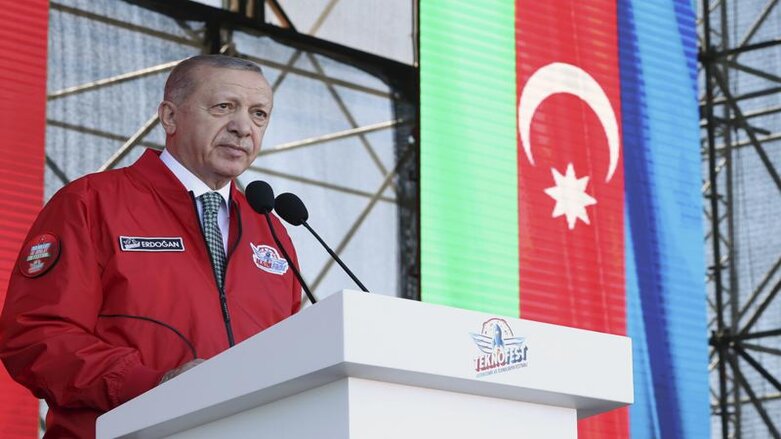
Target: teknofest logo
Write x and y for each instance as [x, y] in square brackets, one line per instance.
[501, 350]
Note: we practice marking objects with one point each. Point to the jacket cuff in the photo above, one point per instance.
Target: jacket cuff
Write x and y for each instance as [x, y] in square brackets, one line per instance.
[138, 379]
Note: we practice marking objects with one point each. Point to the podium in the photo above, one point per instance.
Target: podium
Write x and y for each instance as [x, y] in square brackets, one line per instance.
[365, 366]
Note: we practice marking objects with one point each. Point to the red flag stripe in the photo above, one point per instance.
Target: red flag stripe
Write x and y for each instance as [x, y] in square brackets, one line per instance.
[23, 31]
[571, 244]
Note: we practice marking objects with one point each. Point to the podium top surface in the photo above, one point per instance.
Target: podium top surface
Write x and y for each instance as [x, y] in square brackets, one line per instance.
[355, 334]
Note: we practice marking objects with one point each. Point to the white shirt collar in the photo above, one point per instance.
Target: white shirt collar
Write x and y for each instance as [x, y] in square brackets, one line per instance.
[189, 180]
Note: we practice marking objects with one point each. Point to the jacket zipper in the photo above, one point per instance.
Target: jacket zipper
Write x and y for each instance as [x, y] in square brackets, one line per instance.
[226, 317]
[235, 208]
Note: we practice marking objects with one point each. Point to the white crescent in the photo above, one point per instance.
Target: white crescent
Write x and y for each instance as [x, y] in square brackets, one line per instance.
[566, 78]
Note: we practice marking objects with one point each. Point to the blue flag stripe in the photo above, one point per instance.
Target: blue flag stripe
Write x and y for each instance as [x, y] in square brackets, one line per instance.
[664, 240]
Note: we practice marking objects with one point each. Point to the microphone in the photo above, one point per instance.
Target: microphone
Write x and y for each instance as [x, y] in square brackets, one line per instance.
[261, 198]
[291, 209]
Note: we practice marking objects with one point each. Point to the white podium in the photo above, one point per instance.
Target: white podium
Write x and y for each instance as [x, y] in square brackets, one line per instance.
[365, 366]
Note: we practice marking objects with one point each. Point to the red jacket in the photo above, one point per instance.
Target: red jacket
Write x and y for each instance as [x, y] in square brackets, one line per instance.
[102, 322]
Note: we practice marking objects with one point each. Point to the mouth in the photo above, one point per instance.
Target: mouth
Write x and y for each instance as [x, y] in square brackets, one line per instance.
[233, 148]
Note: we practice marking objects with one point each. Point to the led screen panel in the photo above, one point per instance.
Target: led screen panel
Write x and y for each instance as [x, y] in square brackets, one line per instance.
[23, 46]
[560, 182]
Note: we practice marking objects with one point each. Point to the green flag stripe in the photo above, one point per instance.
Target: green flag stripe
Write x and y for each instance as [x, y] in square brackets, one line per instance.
[469, 207]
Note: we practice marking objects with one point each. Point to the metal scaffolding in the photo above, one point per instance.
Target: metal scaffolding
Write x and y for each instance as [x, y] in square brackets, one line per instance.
[740, 108]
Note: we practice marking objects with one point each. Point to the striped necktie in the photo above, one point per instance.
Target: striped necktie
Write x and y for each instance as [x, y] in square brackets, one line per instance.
[211, 231]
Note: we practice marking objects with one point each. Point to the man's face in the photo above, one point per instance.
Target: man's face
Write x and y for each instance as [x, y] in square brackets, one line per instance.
[216, 130]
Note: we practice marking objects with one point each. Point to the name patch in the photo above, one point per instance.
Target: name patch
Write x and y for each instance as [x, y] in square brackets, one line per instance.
[150, 244]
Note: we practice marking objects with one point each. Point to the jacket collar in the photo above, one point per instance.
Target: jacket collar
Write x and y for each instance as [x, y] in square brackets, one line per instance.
[190, 181]
[152, 172]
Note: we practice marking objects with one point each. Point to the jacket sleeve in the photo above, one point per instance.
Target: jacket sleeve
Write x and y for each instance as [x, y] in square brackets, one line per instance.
[47, 337]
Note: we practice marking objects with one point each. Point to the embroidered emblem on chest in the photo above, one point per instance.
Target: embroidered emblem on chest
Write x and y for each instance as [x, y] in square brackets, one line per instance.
[150, 244]
[267, 259]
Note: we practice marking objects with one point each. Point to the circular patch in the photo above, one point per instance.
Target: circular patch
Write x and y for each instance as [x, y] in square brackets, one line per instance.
[39, 255]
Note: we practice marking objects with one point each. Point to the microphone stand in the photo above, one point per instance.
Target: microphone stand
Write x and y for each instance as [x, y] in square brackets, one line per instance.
[289, 261]
[336, 258]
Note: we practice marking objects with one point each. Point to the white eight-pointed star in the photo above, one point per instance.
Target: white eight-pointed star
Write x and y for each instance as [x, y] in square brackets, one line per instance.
[570, 195]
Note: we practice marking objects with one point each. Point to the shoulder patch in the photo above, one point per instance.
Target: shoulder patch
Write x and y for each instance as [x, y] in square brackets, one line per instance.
[39, 255]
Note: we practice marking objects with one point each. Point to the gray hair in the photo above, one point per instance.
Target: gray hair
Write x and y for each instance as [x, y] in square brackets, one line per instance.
[181, 82]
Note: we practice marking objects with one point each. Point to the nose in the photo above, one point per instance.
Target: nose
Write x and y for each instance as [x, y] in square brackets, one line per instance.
[240, 125]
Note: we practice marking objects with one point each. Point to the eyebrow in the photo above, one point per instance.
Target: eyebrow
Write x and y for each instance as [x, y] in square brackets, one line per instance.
[227, 95]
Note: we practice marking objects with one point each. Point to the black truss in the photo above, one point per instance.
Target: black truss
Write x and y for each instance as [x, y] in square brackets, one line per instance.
[725, 121]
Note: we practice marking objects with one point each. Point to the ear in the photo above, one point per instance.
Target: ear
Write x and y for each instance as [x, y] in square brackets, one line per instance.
[166, 112]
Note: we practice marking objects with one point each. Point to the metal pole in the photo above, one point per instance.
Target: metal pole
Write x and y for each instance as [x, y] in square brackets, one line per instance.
[717, 337]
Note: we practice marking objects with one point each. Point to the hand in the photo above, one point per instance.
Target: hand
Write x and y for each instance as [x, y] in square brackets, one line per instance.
[181, 369]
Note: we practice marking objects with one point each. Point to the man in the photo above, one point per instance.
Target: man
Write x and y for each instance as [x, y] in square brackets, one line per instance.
[132, 276]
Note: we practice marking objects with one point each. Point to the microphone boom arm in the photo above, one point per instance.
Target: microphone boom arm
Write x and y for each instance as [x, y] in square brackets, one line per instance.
[336, 258]
[290, 261]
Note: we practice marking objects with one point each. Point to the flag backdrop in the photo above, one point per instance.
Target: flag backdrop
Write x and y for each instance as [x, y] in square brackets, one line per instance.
[560, 182]
[23, 41]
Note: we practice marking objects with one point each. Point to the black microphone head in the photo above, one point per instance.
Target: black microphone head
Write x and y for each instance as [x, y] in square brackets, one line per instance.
[260, 196]
[291, 209]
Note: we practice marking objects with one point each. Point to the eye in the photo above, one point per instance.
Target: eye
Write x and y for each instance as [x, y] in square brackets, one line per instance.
[259, 114]
[223, 106]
